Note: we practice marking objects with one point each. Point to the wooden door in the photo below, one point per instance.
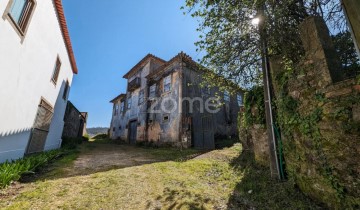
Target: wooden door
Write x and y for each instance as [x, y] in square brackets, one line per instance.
[40, 128]
[132, 132]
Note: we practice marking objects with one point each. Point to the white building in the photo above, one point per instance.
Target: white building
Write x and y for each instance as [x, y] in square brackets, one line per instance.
[37, 65]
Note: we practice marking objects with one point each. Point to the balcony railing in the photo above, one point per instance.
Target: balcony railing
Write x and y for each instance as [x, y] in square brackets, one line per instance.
[134, 84]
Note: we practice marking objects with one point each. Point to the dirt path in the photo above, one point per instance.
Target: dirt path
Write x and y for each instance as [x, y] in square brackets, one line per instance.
[96, 157]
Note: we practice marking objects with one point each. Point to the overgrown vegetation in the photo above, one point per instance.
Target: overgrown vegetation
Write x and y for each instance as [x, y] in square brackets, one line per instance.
[15, 170]
[258, 190]
[254, 105]
[306, 142]
[221, 179]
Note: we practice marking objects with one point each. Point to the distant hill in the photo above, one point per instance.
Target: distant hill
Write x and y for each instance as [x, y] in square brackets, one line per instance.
[97, 130]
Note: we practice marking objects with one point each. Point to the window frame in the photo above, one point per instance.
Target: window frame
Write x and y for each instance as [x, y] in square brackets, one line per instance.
[168, 77]
[152, 94]
[56, 71]
[22, 29]
[141, 99]
[122, 106]
[165, 118]
[239, 96]
[129, 103]
[117, 108]
[226, 96]
[66, 90]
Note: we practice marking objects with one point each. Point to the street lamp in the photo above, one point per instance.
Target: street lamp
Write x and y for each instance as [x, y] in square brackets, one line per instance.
[255, 21]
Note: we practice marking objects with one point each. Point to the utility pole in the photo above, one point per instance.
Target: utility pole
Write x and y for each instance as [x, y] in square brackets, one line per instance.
[274, 158]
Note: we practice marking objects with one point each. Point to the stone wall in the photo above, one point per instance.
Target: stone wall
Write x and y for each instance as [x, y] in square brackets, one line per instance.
[319, 118]
[74, 122]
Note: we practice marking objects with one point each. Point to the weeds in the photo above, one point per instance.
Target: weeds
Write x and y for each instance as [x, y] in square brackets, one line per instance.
[15, 170]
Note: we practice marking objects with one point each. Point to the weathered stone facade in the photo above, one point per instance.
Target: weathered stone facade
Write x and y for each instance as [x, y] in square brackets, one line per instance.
[319, 117]
[321, 130]
[167, 106]
[74, 122]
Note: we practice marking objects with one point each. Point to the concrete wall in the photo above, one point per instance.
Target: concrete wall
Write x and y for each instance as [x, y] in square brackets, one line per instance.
[26, 69]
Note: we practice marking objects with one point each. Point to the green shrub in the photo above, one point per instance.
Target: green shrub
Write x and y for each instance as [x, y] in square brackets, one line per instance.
[254, 105]
[86, 137]
[13, 171]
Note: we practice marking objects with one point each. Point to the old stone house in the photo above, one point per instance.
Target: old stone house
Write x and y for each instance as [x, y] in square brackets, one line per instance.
[74, 122]
[37, 65]
[165, 104]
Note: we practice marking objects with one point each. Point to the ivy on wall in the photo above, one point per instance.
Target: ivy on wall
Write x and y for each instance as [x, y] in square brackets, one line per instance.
[254, 112]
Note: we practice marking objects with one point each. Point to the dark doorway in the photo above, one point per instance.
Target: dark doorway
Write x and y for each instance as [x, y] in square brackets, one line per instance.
[132, 132]
[208, 132]
[203, 132]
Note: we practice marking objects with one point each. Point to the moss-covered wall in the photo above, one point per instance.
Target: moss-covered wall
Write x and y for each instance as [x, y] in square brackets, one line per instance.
[320, 121]
[252, 125]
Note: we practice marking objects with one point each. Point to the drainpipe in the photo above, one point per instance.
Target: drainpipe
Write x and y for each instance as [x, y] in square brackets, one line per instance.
[180, 102]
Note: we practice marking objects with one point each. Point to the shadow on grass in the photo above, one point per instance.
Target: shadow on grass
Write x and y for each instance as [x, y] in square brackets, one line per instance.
[175, 199]
[257, 190]
[103, 155]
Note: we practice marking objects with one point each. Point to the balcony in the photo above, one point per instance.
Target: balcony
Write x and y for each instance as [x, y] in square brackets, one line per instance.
[134, 84]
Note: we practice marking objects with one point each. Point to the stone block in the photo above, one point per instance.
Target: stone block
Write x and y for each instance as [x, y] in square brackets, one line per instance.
[356, 113]
[337, 93]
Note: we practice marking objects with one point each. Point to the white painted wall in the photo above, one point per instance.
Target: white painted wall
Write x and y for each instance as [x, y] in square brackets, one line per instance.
[25, 76]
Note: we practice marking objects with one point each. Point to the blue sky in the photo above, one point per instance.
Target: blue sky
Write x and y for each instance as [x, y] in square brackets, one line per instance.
[110, 36]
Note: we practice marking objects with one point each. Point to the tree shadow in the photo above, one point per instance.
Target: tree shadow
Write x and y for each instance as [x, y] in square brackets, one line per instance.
[178, 199]
[107, 155]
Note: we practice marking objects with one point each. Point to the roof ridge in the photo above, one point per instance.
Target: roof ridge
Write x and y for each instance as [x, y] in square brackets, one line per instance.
[141, 62]
[65, 33]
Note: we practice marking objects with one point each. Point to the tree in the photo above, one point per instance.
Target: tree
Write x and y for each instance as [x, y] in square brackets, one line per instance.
[345, 48]
[231, 43]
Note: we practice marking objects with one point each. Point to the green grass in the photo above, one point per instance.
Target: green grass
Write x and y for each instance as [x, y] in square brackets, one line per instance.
[221, 179]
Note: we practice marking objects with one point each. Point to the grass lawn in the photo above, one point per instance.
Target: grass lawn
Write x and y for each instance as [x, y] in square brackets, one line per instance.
[221, 179]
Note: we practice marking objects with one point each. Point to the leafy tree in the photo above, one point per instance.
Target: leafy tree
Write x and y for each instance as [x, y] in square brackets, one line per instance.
[345, 48]
[232, 44]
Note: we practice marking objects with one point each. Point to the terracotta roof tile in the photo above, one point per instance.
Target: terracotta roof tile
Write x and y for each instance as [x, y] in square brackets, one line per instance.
[65, 33]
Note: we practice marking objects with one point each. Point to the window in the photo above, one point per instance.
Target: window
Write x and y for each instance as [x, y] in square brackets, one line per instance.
[56, 72]
[226, 96]
[113, 128]
[116, 109]
[122, 106]
[167, 83]
[239, 100]
[206, 90]
[141, 97]
[20, 12]
[66, 90]
[166, 118]
[152, 92]
[129, 103]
